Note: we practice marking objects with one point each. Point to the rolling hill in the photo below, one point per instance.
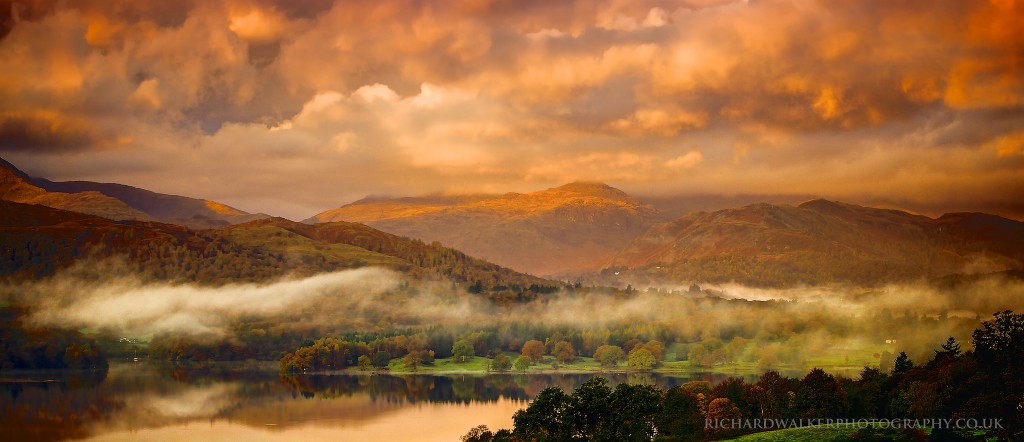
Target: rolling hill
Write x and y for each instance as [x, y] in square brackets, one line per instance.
[190, 212]
[819, 242]
[16, 186]
[118, 201]
[587, 229]
[38, 241]
[564, 230]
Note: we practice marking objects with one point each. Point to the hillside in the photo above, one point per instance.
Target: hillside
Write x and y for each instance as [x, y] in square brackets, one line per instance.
[37, 241]
[820, 242]
[118, 201]
[423, 261]
[16, 186]
[190, 212]
[567, 229]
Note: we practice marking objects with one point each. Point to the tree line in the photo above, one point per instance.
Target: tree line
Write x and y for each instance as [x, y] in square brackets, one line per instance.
[986, 383]
[23, 346]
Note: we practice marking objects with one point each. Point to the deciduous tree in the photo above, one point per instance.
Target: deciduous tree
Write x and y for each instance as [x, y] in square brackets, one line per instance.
[462, 349]
[564, 353]
[641, 359]
[533, 350]
[609, 355]
[501, 363]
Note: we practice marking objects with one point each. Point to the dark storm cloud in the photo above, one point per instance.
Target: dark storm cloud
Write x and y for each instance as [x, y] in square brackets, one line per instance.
[44, 134]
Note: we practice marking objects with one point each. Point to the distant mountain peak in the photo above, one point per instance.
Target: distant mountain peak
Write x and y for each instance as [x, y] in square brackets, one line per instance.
[573, 227]
[822, 205]
[592, 189]
[587, 187]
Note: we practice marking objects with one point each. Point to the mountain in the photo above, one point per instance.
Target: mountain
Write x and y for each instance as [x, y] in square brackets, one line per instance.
[118, 201]
[674, 206]
[430, 261]
[568, 229]
[16, 186]
[191, 212]
[38, 241]
[819, 242]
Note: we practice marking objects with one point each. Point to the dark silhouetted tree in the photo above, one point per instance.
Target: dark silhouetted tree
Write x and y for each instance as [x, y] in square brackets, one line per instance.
[951, 347]
[820, 396]
[381, 359]
[902, 364]
[680, 418]
[544, 419]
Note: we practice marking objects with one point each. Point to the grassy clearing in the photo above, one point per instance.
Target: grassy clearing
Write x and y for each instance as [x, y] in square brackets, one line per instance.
[582, 364]
[845, 361]
[813, 434]
[475, 364]
[808, 434]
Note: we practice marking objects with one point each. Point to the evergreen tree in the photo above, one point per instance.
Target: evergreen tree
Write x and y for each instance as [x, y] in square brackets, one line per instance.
[902, 364]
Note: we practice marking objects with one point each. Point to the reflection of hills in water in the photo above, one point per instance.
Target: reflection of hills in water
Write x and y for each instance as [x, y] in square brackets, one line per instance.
[134, 397]
[468, 388]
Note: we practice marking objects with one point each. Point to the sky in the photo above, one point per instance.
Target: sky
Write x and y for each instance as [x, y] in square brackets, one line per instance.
[294, 107]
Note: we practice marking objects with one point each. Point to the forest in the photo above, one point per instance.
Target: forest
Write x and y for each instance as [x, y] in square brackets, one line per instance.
[39, 242]
[24, 346]
[983, 389]
[758, 334]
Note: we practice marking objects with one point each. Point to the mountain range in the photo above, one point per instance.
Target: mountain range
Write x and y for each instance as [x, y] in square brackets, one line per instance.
[574, 228]
[819, 242]
[581, 230]
[38, 241]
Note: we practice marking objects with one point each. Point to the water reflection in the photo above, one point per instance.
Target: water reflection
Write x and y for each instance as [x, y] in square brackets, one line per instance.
[141, 401]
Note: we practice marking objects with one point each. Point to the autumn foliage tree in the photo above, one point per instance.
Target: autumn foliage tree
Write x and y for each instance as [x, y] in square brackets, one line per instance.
[609, 355]
[563, 352]
[987, 383]
[533, 351]
[722, 414]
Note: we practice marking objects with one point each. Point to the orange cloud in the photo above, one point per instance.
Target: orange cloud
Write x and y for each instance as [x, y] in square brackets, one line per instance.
[494, 94]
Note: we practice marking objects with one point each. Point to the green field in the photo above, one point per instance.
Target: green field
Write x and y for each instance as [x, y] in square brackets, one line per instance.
[846, 361]
[804, 434]
[590, 365]
[817, 433]
[474, 364]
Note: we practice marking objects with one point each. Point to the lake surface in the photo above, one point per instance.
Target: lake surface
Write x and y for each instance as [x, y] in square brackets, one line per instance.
[137, 401]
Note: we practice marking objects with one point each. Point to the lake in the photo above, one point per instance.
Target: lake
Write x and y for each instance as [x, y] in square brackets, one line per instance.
[138, 401]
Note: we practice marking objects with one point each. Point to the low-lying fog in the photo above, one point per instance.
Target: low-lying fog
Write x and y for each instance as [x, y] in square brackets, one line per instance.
[371, 299]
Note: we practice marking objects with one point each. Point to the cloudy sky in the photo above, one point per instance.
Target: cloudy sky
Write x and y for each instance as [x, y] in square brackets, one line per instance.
[293, 107]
